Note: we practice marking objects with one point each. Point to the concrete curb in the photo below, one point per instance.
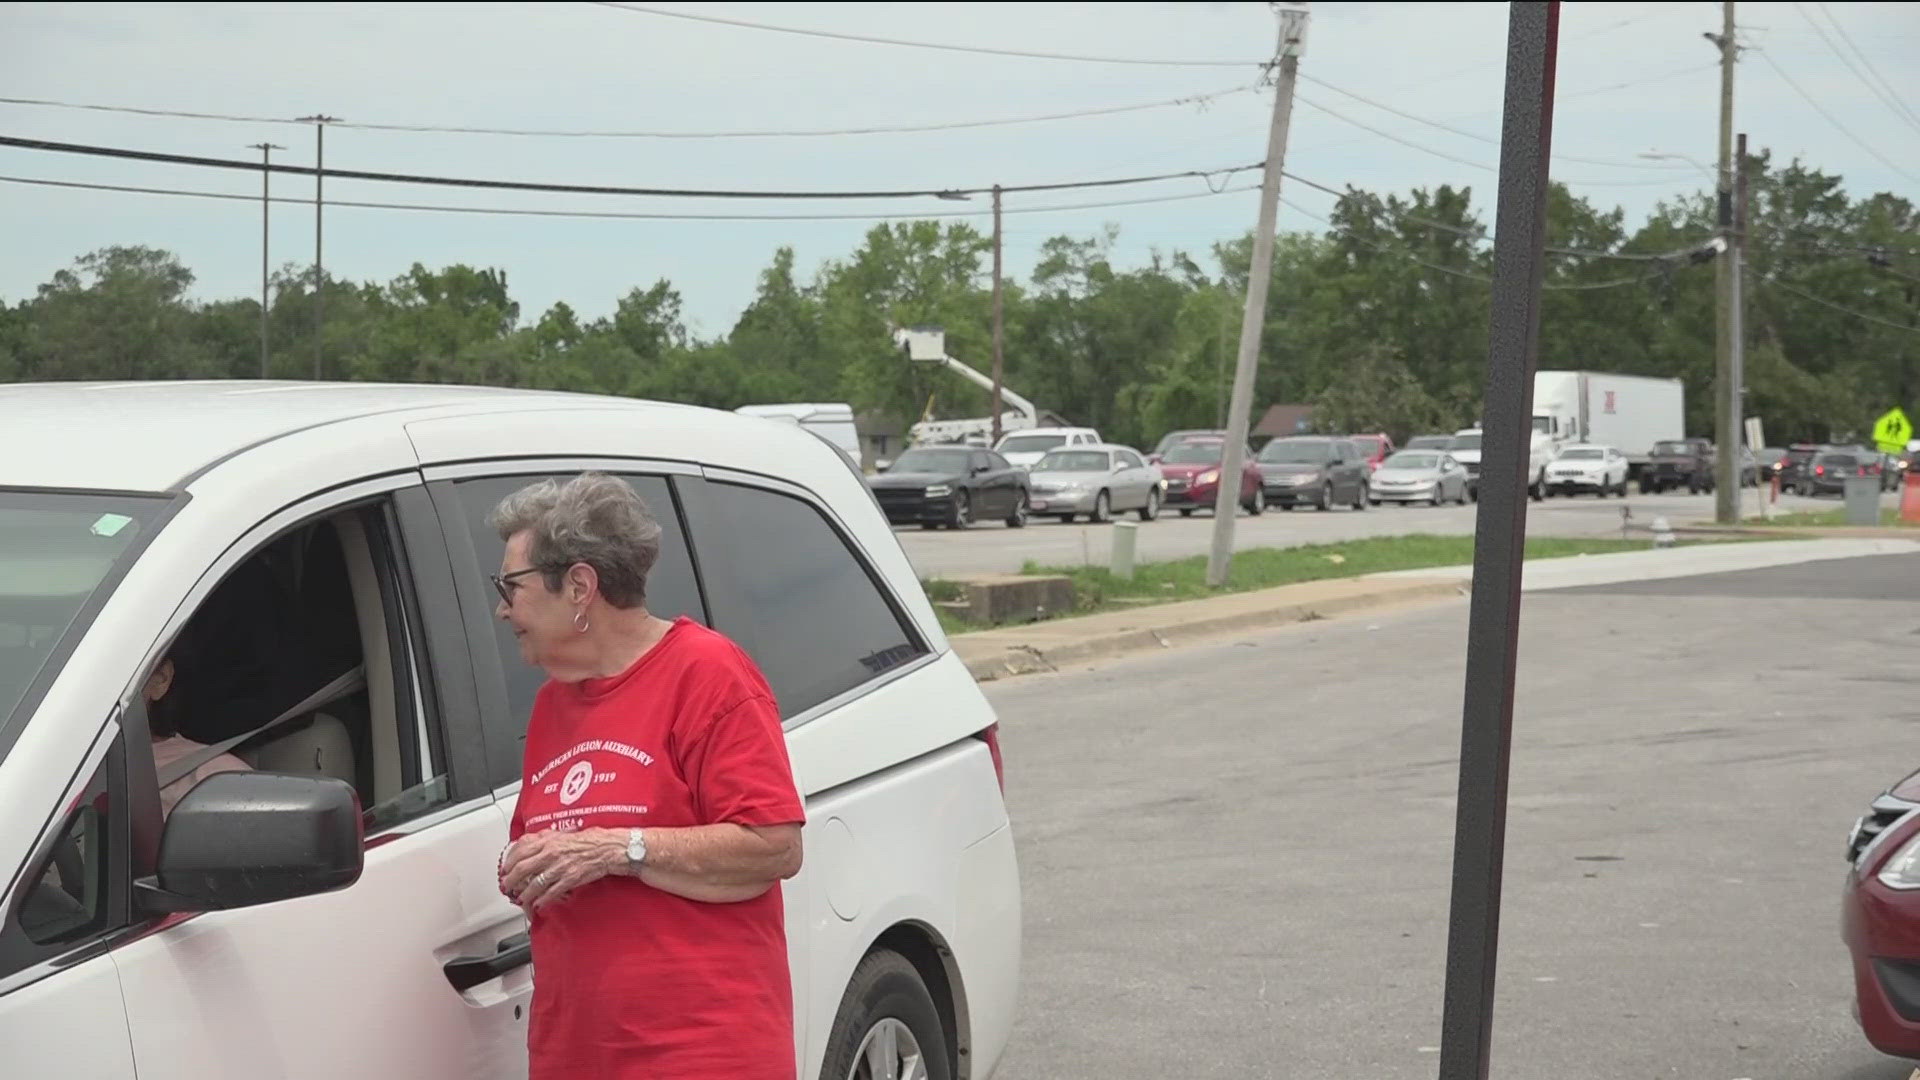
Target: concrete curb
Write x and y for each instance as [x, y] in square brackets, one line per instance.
[986, 661]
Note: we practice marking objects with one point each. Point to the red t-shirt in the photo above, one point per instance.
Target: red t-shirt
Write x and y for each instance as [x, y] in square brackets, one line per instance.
[631, 982]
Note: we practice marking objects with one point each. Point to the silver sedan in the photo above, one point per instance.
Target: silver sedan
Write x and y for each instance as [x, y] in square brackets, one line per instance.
[1098, 481]
[1431, 476]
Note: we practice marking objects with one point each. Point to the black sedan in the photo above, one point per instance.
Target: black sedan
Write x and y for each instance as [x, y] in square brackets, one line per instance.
[955, 486]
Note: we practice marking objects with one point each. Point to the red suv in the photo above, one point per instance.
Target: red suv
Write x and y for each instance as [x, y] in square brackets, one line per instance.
[1880, 919]
[1192, 472]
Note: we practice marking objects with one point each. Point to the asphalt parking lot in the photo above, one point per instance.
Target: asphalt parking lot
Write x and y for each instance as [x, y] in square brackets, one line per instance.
[1236, 856]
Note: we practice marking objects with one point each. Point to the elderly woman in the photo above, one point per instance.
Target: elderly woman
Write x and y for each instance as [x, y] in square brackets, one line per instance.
[657, 814]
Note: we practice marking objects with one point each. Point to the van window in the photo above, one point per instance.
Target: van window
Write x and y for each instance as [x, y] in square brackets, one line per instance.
[820, 625]
[56, 549]
[310, 606]
[77, 890]
[672, 590]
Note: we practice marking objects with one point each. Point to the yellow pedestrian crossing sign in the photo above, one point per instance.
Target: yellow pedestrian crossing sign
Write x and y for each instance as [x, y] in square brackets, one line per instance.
[1892, 431]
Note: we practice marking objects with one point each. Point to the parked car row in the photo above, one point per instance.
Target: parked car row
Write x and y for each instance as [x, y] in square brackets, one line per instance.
[1822, 468]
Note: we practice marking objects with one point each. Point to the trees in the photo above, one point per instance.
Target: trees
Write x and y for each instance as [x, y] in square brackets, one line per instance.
[1381, 320]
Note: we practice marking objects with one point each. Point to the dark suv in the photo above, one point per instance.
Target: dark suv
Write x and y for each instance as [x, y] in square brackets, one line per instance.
[1676, 463]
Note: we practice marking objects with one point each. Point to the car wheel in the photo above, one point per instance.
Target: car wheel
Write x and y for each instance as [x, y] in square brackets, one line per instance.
[1360, 496]
[887, 1026]
[1102, 510]
[1019, 518]
[1259, 503]
[1326, 497]
[1152, 509]
[1065, 519]
[1287, 506]
[1538, 491]
[1186, 511]
[962, 511]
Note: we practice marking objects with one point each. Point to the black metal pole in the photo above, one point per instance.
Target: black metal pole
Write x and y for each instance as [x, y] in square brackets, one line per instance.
[1493, 635]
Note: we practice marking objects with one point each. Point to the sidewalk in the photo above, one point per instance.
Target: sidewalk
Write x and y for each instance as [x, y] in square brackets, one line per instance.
[1046, 646]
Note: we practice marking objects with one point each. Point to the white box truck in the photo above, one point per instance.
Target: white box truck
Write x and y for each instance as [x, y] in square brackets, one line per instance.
[1627, 412]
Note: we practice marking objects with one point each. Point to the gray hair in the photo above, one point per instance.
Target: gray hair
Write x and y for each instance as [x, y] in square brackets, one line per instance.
[593, 518]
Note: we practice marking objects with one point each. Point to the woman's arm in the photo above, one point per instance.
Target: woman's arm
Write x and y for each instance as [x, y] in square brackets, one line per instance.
[716, 864]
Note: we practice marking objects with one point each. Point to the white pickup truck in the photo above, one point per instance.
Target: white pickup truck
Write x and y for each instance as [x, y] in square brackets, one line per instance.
[1465, 449]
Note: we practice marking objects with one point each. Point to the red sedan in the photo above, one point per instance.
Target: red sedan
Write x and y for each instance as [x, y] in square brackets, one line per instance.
[1880, 919]
[1192, 472]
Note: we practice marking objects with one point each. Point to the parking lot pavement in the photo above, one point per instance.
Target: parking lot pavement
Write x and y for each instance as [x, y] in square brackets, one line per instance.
[1236, 856]
[994, 548]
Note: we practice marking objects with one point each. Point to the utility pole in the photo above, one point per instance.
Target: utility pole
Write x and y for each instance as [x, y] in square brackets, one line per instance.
[999, 359]
[1736, 254]
[319, 122]
[1727, 468]
[266, 153]
[1293, 39]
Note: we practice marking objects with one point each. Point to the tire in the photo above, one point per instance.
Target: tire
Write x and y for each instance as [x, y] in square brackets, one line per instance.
[1186, 511]
[1019, 518]
[1102, 510]
[1152, 509]
[1439, 494]
[1325, 502]
[1065, 519]
[886, 999]
[962, 511]
[1461, 499]
[1360, 497]
[1259, 503]
[1537, 491]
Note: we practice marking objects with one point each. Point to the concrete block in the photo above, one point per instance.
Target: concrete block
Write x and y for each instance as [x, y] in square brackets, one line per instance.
[994, 599]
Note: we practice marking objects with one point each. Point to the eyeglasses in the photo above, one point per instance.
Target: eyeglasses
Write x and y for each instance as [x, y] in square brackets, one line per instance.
[503, 583]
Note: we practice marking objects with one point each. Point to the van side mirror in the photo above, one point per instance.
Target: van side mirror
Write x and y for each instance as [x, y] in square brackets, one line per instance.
[244, 838]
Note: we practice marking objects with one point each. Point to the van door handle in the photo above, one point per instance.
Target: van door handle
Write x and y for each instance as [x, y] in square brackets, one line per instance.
[467, 972]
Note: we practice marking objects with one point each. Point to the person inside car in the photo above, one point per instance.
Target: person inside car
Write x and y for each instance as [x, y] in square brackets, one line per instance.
[169, 746]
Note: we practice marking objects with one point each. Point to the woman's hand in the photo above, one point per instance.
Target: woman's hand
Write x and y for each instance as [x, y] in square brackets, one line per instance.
[543, 867]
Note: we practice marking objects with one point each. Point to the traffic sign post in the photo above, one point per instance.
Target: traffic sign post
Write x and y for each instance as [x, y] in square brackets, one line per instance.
[1891, 432]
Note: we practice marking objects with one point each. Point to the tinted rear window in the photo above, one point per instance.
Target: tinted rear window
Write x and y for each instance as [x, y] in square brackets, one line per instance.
[821, 626]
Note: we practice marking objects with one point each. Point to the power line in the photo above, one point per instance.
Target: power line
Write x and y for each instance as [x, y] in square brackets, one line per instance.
[660, 216]
[635, 215]
[874, 129]
[1868, 64]
[1842, 128]
[1886, 96]
[743, 24]
[1465, 134]
[1802, 293]
[1481, 165]
[591, 189]
[1643, 81]
[1482, 278]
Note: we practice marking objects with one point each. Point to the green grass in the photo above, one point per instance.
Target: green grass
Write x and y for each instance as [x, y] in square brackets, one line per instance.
[1825, 518]
[1095, 589]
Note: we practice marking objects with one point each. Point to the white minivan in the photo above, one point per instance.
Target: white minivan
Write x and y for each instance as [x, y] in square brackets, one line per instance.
[315, 556]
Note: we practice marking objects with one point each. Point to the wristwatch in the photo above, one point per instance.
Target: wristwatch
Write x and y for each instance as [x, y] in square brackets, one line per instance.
[636, 850]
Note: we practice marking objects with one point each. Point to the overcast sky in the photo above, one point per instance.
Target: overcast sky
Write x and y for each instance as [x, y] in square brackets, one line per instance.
[1632, 78]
